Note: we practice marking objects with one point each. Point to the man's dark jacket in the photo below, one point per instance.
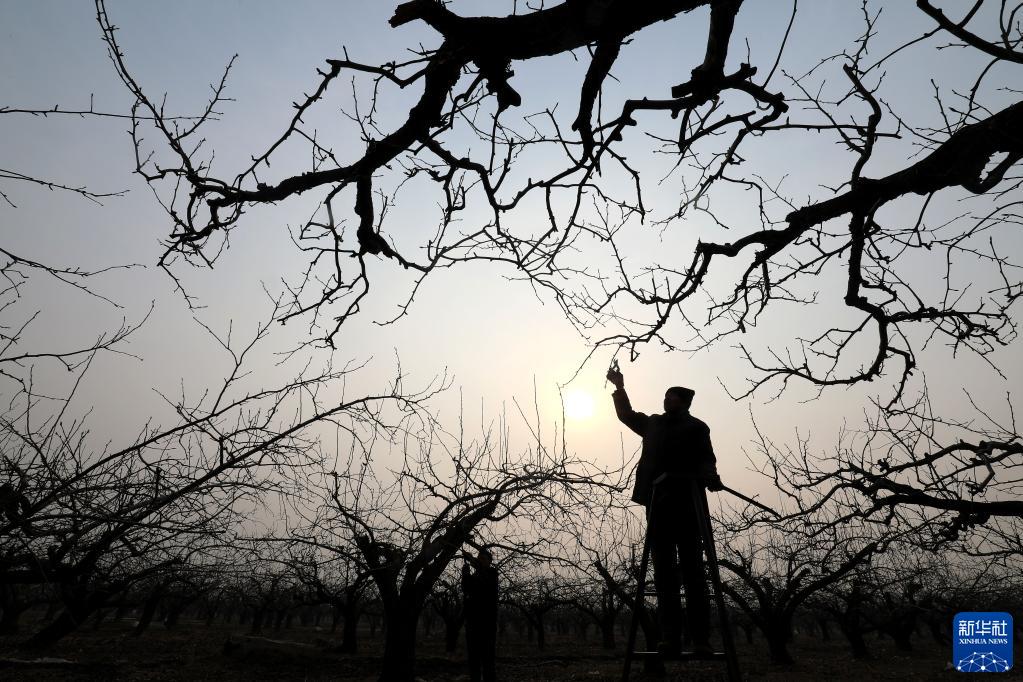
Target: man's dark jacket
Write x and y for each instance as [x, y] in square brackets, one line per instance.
[672, 444]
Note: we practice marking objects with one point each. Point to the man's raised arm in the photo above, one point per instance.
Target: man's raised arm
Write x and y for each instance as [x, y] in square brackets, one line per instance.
[634, 420]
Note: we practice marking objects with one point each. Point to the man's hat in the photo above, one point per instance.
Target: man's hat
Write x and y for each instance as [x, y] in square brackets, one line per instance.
[685, 394]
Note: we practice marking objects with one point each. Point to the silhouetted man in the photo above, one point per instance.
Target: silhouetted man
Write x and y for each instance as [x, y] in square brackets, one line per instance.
[678, 444]
[479, 588]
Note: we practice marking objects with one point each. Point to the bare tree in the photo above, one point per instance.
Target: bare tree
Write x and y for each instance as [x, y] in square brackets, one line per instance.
[536, 593]
[907, 587]
[595, 195]
[448, 602]
[95, 522]
[599, 603]
[608, 557]
[15, 177]
[847, 242]
[613, 551]
[913, 470]
[445, 495]
[336, 579]
[92, 521]
[777, 569]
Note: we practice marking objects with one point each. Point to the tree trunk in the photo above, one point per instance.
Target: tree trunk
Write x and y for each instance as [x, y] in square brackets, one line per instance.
[101, 615]
[777, 644]
[428, 619]
[78, 606]
[934, 626]
[12, 613]
[607, 632]
[856, 641]
[399, 645]
[777, 629]
[11, 608]
[902, 634]
[349, 635]
[148, 610]
[452, 626]
[66, 622]
[541, 635]
[257, 621]
[174, 614]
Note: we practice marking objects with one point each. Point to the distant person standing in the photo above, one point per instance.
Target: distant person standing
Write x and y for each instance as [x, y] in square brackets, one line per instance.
[479, 587]
[678, 444]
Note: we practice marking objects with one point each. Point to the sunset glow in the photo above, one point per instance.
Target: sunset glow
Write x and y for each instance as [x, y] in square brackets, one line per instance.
[578, 405]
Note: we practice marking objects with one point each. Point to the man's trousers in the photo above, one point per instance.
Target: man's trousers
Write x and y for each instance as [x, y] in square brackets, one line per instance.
[676, 547]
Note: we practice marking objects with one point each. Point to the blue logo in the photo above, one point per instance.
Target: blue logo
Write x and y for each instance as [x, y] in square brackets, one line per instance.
[982, 642]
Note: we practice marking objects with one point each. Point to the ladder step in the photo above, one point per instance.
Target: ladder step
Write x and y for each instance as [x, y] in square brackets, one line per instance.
[685, 655]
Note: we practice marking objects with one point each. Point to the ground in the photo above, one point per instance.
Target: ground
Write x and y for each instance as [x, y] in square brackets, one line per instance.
[195, 651]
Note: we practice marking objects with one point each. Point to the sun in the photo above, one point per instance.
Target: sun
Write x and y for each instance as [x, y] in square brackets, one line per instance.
[578, 405]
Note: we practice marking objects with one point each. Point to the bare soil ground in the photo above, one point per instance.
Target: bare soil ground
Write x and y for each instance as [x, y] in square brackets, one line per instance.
[194, 651]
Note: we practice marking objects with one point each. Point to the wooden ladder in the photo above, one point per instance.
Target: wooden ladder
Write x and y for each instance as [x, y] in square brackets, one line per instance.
[728, 656]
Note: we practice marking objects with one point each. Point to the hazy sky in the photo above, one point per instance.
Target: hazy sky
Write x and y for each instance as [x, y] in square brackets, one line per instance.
[492, 335]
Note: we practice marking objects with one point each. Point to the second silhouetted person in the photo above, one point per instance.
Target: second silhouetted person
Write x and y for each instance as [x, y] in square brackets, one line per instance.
[479, 588]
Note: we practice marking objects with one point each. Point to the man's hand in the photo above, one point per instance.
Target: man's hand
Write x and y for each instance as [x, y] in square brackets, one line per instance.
[614, 375]
[714, 483]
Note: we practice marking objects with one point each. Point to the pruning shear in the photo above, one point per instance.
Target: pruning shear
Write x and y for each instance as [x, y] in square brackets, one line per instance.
[612, 368]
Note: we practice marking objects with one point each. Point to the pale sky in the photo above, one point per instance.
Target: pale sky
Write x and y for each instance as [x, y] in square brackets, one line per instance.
[492, 335]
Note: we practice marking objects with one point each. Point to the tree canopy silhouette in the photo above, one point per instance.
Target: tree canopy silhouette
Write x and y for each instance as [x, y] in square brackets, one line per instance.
[592, 194]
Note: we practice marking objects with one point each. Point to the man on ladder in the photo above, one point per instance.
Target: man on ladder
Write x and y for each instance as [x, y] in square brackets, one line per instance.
[676, 452]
